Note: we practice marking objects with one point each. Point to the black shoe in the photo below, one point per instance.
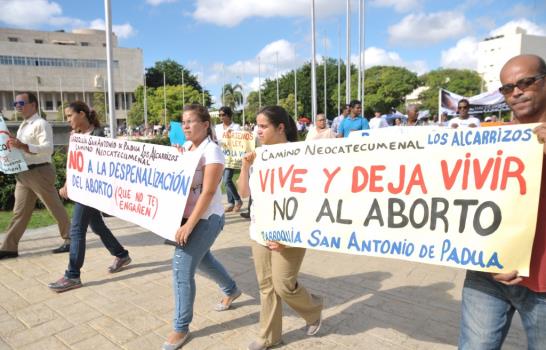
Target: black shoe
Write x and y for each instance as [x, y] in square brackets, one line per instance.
[245, 215]
[6, 254]
[64, 248]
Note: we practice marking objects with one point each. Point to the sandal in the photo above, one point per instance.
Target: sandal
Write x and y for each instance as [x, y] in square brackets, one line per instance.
[223, 307]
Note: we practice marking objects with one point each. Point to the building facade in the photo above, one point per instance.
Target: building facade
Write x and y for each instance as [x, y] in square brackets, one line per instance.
[495, 51]
[65, 66]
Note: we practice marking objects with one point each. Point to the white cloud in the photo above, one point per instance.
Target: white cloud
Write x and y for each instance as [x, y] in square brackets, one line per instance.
[422, 29]
[45, 12]
[16, 13]
[159, 2]
[122, 30]
[246, 71]
[463, 55]
[268, 56]
[232, 12]
[399, 5]
[374, 56]
[510, 28]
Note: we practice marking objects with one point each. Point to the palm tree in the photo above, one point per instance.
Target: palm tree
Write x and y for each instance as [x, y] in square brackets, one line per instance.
[232, 95]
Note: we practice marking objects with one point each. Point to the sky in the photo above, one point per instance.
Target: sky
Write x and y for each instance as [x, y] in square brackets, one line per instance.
[223, 40]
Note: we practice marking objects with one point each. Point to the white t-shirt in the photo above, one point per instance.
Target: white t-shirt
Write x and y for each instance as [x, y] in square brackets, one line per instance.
[211, 154]
[378, 122]
[464, 123]
[219, 130]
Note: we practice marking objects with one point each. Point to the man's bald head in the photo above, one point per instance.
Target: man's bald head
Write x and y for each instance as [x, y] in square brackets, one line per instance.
[525, 76]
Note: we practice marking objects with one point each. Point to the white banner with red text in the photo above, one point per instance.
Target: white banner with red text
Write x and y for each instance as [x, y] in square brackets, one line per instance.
[461, 198]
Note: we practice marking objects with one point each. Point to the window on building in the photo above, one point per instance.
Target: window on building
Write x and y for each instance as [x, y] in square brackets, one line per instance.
[48, 105]
[83, 43]
[13, 39]
[6, 60]
[38, 41]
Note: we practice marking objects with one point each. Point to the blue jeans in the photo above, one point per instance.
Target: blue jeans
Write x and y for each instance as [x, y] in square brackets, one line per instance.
[487, 310]
[196, 253]
[82, 217]
[231, 190]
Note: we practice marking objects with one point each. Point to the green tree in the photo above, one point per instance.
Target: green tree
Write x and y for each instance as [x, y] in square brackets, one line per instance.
[232, 95]
[288, 104]
[286, 87]
[463, 82]
[173, 76]
[156, 107]
[251, 107]
[387, 87]
[99, 106]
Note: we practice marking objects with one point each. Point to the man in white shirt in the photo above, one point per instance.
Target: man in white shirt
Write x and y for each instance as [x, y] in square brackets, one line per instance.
[35, 139]
[227, 125]
[337, 120]
[464, 120]
[377, 121]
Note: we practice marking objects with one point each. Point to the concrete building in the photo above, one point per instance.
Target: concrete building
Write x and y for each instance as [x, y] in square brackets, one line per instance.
[60, 66]
[413, 97]
[495, 51]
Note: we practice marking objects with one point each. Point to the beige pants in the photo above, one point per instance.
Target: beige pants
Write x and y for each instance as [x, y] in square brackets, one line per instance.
[277, 274]
[32, 184]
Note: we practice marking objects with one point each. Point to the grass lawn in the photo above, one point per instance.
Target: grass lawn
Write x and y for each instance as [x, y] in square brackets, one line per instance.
[40, 218]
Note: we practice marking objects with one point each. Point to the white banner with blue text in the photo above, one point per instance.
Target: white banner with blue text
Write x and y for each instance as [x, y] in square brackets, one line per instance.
[141, 183]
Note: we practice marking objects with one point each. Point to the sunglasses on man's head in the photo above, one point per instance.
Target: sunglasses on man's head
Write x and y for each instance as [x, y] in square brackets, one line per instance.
[522, 84]
[19, 103]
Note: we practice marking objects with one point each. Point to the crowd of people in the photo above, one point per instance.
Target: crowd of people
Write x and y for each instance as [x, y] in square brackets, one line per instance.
[351, 119]
[489, 300]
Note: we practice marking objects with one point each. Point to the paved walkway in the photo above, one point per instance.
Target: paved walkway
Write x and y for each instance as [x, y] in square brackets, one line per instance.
[371, 303]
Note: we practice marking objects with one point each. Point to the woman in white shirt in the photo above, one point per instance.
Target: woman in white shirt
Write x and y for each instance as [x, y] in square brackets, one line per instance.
[320, 130]
[203, 220]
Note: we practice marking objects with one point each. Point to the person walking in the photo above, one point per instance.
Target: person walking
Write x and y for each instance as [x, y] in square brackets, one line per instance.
[84, 121]
[202, 222]
[277, 266]
[35, 139]
[227, 126]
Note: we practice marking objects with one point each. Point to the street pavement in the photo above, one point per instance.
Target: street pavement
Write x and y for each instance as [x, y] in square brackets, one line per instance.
[370, 303]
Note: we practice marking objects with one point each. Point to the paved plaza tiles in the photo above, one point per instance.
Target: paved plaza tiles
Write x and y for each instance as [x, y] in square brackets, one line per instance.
[370, 303]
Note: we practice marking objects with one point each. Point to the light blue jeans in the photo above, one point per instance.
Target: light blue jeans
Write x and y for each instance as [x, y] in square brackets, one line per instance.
[196, 253]
[487, 310]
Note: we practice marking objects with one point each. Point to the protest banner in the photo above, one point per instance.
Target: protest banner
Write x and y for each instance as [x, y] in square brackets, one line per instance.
[461, 198]
[142, 183]
[11, 159]
[234, 145]
[487, 102]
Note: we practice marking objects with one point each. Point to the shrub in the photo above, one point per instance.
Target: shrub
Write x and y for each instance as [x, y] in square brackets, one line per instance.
[7, 182]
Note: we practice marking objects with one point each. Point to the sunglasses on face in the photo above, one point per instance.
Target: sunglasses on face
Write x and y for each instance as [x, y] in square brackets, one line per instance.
[221, 114]
[522, 84]
[19, 103]
[463, 107]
